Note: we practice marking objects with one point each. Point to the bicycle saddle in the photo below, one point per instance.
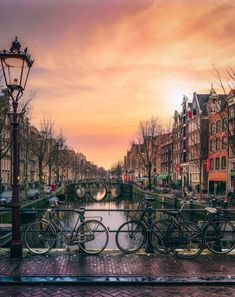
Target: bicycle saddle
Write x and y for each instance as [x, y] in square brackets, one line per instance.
[211, 209]
[60, 202]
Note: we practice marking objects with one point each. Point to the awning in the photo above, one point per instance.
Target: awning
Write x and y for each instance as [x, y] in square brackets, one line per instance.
[163, 176]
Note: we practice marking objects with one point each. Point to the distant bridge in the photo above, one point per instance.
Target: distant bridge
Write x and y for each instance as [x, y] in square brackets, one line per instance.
[98, 190]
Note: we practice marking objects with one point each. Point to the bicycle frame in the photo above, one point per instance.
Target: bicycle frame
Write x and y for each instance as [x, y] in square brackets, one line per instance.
[146, 219]
[59, 228]
[210, 219]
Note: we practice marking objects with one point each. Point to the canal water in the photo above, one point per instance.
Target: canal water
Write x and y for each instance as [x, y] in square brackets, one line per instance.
[113, 211]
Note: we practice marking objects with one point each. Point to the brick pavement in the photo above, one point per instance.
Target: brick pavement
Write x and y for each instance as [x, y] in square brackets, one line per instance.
[118, 264]
[153, 273]
[116, 291]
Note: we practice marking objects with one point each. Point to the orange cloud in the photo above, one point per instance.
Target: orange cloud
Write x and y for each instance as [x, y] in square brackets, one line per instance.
[102, 66]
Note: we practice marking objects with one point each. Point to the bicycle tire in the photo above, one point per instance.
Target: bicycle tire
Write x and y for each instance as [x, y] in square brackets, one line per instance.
[186, 240]
[160, 241]
[131, 236]
[220, 237]
[5, 235]
[92, 237]
[40, 237]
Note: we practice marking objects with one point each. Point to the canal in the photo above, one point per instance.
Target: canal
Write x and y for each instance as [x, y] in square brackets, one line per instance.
[113, 211]
[113, 208]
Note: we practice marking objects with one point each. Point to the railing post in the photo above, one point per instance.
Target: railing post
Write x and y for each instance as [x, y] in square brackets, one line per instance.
[175, 201]
[82, 219]
[148, 246]
[191, 207]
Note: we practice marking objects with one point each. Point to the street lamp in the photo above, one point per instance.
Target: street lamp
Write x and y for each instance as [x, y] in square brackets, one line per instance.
[16, 65]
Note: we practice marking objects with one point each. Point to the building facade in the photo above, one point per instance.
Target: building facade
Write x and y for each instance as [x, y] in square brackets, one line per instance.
[231, 142]
[198, 124]
[166, 159]
[218, 144]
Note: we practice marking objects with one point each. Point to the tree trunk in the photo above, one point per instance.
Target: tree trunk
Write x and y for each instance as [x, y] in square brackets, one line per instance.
[149, 176]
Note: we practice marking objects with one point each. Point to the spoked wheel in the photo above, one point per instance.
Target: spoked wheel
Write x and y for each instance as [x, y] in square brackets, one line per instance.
[130, 237]
[160, 241]
[40, 237]
[186, 240]
[92, 236]
[220, 237]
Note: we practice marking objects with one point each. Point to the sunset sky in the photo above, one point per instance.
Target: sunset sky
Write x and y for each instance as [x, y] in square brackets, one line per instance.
[101, 66]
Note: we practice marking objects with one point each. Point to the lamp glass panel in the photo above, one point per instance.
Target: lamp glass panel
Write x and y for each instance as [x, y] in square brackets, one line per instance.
[16, 71]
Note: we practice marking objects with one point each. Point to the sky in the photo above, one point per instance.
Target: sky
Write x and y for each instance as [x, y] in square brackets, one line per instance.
[102, 66]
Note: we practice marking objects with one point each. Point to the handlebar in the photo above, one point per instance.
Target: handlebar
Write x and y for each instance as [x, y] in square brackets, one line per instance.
[183, 203]
[55, 204]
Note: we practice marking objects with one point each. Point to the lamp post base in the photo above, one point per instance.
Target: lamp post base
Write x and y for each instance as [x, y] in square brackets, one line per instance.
[16, 250]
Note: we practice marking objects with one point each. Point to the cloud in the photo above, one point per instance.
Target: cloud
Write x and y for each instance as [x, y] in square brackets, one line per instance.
[106, 65]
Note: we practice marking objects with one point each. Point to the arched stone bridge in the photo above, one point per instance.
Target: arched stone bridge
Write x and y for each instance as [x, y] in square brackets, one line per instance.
[98, 190]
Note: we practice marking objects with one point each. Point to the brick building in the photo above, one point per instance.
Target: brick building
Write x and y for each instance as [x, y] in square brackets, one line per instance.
[198, 143]
[218, 140]
[231, 141]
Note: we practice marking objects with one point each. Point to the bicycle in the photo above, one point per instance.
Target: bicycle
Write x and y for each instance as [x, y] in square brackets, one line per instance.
[219, 232]
[91, 235]
[184, 239]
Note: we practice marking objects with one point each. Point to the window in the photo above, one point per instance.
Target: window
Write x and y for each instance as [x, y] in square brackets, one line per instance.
[194, 111]
[212, 129]
[211, 164]
[217, 144]
[223, 163]
[211, 145]
[218, 126]
[224, 124]
[224, 143]
[217, 163]
[212, 108]
[231, 128]
[231, 112]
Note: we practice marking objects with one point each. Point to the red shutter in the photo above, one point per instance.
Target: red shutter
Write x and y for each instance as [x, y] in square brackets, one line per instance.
[177, 167]
[208, 165]
[190, 115]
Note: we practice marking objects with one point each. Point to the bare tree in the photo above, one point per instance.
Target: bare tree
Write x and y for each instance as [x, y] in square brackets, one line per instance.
[41, 146]
[227, 110]
[5, 130]
[117, 169]
[198, 146]
[25, 137]
[227, 117]
[145, 149]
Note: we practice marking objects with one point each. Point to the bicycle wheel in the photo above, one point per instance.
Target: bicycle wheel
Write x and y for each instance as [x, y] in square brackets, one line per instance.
[186, 240]
[220, 237]
[5, 234]
[92, 236]
[131, 236]
[160, 241]
[40, 237]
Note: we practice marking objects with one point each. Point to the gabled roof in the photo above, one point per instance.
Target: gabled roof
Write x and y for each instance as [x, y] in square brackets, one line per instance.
[231, 93]
[202, 100]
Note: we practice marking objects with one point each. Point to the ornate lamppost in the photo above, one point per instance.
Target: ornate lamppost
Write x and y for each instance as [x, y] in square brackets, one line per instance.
[16, 65]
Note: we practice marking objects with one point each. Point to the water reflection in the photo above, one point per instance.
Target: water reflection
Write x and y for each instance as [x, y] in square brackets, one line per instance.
[80, 192]
[98, 192]
[112, 219]
[115, 191]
